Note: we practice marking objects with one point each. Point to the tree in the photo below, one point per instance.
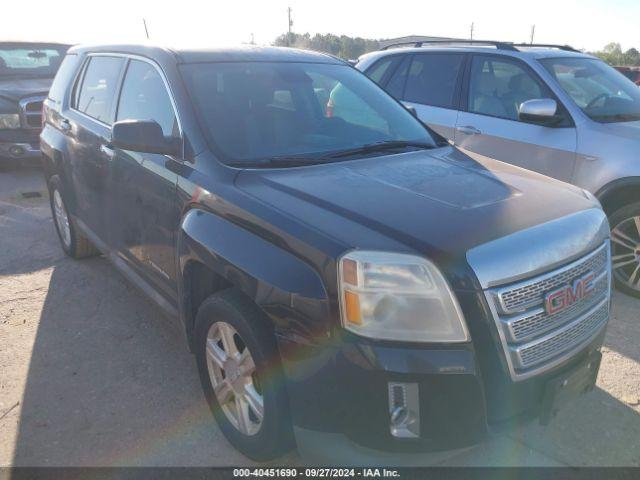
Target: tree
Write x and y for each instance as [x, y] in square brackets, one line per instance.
[612, 54]
[341, 46]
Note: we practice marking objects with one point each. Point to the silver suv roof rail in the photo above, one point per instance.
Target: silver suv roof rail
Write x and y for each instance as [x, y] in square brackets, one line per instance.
[421, 43]
[499, 45]
[566, 48]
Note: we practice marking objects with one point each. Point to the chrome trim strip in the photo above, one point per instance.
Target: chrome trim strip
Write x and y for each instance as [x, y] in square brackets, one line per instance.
[548, 246]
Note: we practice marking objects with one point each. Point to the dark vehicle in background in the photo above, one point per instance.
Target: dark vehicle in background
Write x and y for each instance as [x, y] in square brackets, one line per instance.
[26, 72]
[632, 73]
[346, 279]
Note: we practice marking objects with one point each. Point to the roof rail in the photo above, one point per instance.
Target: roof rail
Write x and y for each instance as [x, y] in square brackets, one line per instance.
[498, 45]
[566, 48]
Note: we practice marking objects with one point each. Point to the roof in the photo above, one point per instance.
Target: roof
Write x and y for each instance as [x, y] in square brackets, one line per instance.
[244, 53]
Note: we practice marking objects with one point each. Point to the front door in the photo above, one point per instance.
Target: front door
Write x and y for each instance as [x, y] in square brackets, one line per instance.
[489, 124]
[146, 215]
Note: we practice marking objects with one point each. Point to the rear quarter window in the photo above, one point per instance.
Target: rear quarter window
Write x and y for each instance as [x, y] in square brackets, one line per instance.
[64, 77]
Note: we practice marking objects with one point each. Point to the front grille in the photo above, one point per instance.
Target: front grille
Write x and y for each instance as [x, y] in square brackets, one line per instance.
[31, 112]
[534, 340]
[530, 294]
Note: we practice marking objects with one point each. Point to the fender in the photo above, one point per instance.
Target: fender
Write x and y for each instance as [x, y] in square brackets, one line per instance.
[609, 190]
[288, 289]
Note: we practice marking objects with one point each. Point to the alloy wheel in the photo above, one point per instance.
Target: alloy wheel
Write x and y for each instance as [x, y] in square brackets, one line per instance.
[232, 371]
[625, 238]
[61, 218]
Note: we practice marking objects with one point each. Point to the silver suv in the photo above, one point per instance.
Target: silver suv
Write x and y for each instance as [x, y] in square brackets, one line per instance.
[546, 108]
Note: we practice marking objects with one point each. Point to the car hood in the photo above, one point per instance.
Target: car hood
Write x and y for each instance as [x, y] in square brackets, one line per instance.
[440, 202]
[628, 130]
[15, 88]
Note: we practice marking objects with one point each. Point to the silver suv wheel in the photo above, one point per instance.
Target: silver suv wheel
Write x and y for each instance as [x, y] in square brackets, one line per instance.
[232, 371]
[625, 238]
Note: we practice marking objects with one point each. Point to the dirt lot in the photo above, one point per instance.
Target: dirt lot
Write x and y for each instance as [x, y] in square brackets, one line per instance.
[92, 374]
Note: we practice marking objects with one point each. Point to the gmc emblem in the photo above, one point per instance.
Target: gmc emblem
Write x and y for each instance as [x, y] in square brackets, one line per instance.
[567, 295]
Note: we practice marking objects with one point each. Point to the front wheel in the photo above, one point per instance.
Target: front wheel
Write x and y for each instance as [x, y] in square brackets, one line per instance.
[625, 248]
[241, 375]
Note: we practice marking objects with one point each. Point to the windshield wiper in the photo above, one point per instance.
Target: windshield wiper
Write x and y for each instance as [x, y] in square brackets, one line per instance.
[380, 147]
[618, 117]
[279, 162]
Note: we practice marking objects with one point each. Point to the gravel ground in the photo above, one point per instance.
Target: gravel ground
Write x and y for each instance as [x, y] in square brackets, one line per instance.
[92, 374]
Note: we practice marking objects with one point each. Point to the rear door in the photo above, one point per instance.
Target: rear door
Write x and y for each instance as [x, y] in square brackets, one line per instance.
[430, 83]
[88, 125]
[488, 123]
[145, 215]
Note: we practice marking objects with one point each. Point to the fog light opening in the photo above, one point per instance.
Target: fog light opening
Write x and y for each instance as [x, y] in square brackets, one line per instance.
[404, 410]
[16, 151]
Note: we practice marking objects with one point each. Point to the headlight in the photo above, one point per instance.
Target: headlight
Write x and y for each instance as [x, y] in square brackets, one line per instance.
[394, 296]
[9, 121]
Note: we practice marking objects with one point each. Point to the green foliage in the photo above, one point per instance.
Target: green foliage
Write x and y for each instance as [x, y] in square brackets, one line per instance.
[341, 46]
[613, 55]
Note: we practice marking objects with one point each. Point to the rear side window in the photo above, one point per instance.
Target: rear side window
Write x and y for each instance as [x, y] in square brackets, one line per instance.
[395, 85]
[377, 72]
[144, 97]
[99, 83]
[63, 78]
[432, 79]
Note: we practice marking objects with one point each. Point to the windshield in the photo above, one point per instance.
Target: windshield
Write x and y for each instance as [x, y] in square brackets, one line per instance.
[602, 93]
[30, 60]
[257, 111]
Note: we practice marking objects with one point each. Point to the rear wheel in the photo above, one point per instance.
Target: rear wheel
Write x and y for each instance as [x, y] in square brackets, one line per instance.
[241, 376]
[73, 242]
[625, 247]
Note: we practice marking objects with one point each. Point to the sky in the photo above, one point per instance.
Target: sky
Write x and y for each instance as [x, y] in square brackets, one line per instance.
[588, 24]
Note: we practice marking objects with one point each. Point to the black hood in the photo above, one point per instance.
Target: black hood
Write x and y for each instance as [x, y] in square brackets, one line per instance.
[16, 88]
[440, 202]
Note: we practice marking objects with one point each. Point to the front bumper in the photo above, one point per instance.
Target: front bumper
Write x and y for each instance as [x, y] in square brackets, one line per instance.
[19, 144]
[340, 405]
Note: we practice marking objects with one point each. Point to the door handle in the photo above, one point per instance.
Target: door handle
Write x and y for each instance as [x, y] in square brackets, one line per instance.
[107, 151]
[65, 125]
[468, 130]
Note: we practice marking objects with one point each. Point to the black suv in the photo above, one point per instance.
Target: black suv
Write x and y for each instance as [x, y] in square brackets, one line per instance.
[26, 72]
[349, 281]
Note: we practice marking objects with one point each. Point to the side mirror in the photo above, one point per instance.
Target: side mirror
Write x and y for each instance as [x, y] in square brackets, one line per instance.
[540, 110]
[142, 136]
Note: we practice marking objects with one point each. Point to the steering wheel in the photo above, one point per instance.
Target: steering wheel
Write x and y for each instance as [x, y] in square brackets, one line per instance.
[596, 99]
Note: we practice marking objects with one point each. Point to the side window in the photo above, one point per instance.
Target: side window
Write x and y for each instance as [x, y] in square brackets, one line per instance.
[63, 78]
[95, 96]
[380, 68]
[395, 85]
[144, 96]
[497, 87]
[432, 79]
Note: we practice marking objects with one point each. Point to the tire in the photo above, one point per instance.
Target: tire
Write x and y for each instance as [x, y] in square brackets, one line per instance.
[73, 242]
[261, 439]
[625, 245]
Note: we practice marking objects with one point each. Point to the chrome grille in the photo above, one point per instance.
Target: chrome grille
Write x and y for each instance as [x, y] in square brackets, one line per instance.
[524, 296]
[534, 340]
[31, 112]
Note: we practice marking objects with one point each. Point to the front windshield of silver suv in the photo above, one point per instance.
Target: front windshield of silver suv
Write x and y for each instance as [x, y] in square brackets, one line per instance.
[603, 93]
[261, 112]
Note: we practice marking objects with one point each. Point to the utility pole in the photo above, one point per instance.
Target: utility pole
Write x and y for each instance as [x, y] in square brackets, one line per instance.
[146, 31]
[533, 31]
[290, 25]
[471, 33]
